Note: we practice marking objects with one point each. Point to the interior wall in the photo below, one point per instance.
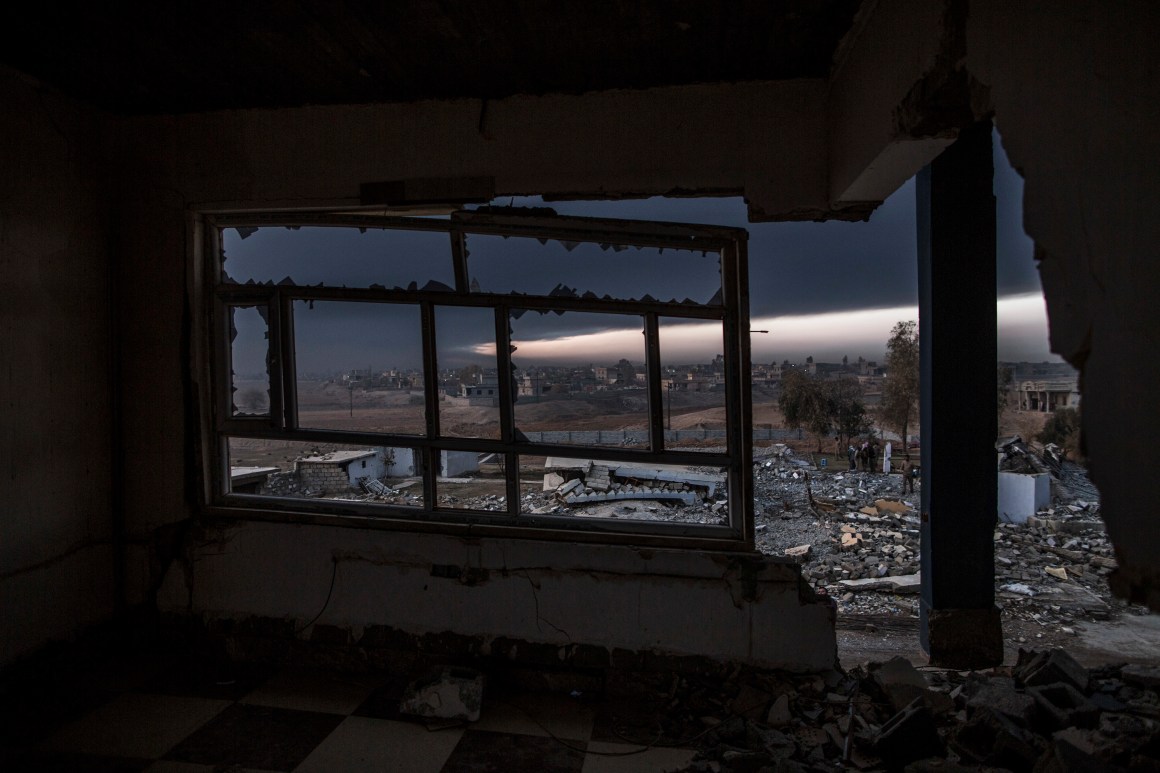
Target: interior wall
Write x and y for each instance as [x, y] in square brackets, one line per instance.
[670, 602]
[767, 140]
[56, 533]
[1078, 106]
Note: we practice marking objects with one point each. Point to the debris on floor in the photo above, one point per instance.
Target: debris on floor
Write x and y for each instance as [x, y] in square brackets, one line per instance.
[446, 692]
[1046, 713]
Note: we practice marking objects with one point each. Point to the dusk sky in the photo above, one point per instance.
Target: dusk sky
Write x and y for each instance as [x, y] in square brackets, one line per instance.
[823, 289]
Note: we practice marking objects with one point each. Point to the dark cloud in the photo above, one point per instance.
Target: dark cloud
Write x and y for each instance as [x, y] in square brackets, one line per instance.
[794, 269]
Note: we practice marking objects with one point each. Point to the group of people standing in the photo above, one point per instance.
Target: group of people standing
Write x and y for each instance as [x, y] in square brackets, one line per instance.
[866, 458]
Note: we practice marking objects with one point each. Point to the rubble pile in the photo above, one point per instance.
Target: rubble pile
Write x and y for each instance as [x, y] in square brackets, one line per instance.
[577, 482]
[1047, 713]
[857, 538]
[855, 534]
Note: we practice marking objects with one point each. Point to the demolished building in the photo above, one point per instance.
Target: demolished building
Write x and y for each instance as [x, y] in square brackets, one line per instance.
[132, 144]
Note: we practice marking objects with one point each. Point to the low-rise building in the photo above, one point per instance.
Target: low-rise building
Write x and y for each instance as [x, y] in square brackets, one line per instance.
[1046, 396]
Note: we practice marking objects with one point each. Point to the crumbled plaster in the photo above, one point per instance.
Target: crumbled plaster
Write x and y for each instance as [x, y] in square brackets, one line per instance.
[1075, 90]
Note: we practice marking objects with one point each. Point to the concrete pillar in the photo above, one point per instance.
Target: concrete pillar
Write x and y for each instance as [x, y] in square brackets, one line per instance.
[956, 291]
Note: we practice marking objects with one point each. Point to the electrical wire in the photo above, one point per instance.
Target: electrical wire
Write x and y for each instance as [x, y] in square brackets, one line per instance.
[329, 593]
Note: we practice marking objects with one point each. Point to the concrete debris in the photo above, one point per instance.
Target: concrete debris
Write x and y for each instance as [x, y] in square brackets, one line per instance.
[1017, 456]
[907, 583]
[909, 735]
[376, 487]
[892, 716]
[446, 692]
[1050, 571]
[1142, 676]
[578, 483]
[1043, 668]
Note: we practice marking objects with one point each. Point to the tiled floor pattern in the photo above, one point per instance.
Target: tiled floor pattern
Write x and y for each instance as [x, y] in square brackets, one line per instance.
[173, 722]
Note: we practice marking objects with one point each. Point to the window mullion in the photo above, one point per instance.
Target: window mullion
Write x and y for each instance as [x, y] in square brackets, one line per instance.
[274, 359]
[432, 457]
[652, 349]
[738, 404]
[459, 260]
[288, 368]
[503, 362]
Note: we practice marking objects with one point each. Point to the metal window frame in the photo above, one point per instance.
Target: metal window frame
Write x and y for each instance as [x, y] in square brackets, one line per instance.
[219, 295]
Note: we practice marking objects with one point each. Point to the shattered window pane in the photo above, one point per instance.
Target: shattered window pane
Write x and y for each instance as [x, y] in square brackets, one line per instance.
[468, 376]
[589, 487]
[311, 470]
[513, 264]
[580, 378]
[360, 366]
[249, 355]
[693, 384]
[338, 257]
[339, 328]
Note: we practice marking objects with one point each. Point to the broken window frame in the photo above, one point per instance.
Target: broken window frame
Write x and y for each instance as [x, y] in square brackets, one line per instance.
[221, 294]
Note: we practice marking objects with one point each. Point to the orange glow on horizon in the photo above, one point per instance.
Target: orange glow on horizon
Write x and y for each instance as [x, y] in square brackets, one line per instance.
[828, 336]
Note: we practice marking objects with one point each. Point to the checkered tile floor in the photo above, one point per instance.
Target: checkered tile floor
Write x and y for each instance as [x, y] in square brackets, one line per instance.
[175, 721]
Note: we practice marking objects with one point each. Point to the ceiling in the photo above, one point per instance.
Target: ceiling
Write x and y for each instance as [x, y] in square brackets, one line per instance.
[183, 56]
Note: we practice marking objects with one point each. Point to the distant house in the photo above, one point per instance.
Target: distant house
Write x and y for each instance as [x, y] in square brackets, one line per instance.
[340, 471]
[486, 394]
[1046, 396]
[408, 463]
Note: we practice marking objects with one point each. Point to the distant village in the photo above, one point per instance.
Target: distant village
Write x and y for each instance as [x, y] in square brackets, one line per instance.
[1032, 386]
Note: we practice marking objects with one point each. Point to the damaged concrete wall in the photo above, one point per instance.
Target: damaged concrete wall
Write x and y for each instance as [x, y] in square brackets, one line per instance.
[765, 140]
[1077, 103]
[666, 601]
[56, 534]
[893, 47]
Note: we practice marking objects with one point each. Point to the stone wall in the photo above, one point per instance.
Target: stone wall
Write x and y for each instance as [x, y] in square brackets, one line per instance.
[323, 476]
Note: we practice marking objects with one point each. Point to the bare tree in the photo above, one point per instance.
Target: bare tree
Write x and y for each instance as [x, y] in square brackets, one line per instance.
[900, 390]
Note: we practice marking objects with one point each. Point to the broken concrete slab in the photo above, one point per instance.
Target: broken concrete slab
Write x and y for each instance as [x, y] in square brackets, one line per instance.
[902, 684]
[909, 735]
[990, 738]
[1064, 706]
[903, 583]
[999, 693]
[1142, 676]
[710, 482]
[1042, 668]
[571, 485]
[779, 713]
[800, 552]
[686, 497]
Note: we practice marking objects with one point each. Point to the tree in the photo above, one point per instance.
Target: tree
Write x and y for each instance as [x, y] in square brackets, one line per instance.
[803, 403]
[1063, 428]
[470, 374]
[900, 389]
[822, 407]
[848, 412]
